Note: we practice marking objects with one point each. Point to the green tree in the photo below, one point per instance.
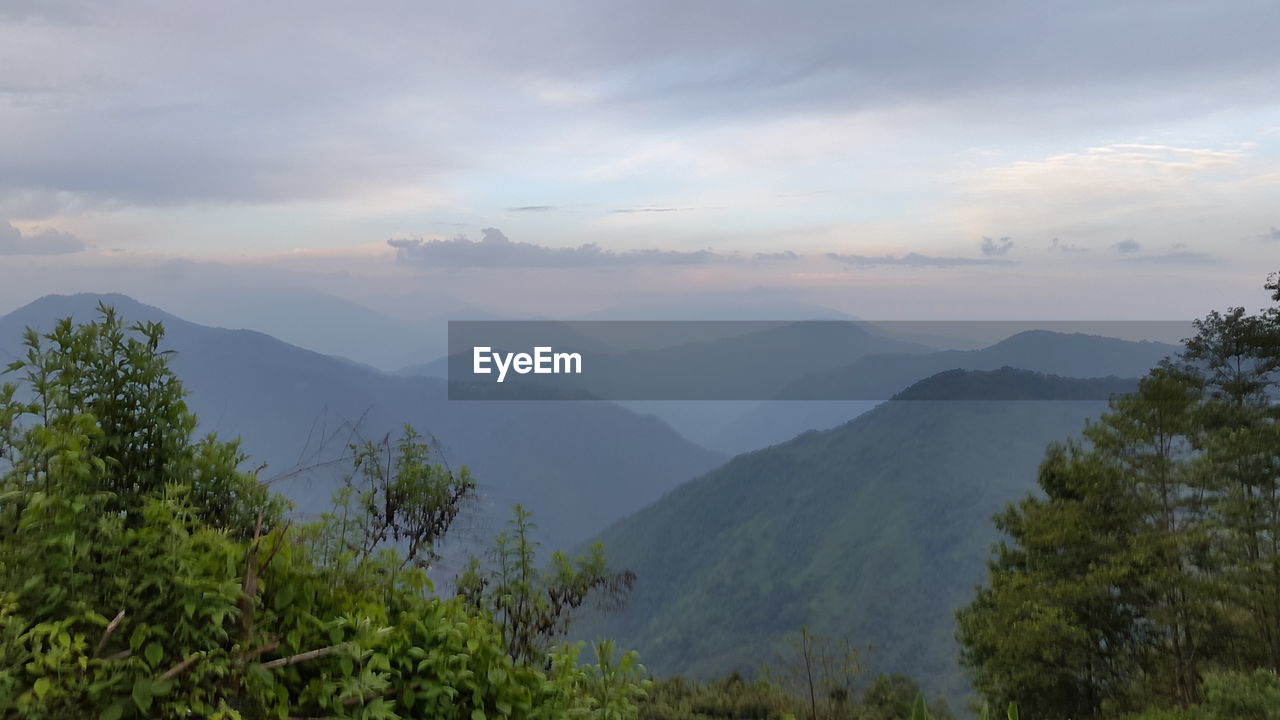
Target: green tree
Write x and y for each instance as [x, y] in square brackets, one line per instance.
[533, 606]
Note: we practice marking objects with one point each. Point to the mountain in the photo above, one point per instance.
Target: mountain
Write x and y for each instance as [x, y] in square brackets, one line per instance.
[874, 531]
[313, 320]
[1079, 355]
[875, 377]
[577, 466]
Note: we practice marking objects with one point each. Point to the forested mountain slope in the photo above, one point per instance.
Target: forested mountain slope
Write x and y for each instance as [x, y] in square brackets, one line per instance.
[875, 531]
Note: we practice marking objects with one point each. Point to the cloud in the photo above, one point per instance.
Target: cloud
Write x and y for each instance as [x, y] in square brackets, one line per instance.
[1115, 188]
[651, 210]
[915, 260]
[1127, 246]
[1273, 234]
[1059, 246]
[992, 248]
[46, 242]
[343, 109]
[495, 250]
[532, 208]
[771, 256]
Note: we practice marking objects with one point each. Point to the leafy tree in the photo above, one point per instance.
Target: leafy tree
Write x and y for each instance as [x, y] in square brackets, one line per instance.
[395, 495]
[531, 605]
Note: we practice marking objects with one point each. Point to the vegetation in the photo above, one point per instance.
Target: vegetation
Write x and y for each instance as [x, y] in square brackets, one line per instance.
[142, 574]
[532, 606]
[1147, 573]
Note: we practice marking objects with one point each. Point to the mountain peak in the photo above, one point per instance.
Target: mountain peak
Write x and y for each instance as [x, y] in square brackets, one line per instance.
[84, 306]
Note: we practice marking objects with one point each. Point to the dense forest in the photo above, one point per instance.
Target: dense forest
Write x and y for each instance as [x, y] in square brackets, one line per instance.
[146, 572]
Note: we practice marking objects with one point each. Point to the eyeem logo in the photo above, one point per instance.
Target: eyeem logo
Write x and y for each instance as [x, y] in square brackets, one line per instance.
[543, 361]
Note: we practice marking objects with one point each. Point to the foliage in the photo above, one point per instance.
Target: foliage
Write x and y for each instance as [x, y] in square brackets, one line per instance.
[897, 696]
[731, 697]
[825, 673]
[887, 697]
[1228, 696]
[1152, 559]
[143, 575]
[394, 494]
[532, 605]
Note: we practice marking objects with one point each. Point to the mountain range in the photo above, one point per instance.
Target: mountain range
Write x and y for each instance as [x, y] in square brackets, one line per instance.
[576, 466]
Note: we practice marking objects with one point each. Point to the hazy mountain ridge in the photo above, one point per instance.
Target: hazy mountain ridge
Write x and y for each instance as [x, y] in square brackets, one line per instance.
[576, 465]
[877, 377]
[1077, 355]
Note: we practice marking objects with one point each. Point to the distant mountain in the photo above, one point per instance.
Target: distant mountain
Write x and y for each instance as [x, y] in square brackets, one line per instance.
[315, 321]
[873, 378]
[877, 377]
[577, 466]
[875, 531]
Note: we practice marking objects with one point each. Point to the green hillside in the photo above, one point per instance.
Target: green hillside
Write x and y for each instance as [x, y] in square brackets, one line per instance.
[875, 531]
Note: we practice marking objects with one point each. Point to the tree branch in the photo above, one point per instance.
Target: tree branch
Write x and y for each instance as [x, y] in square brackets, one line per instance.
[303, 657]
[106, 634]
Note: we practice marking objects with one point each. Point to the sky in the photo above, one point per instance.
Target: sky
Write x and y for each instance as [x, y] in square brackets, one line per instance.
[910, 160]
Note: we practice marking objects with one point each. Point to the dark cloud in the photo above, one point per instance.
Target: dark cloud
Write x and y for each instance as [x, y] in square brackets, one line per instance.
[1059, 246]
[992, 248]
[45, 242]
[784, 255]
[1127, 246]
[915, 260]
[495, 250]
[532, 208]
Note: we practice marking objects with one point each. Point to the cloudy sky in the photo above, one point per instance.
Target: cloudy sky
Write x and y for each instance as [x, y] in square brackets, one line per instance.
[893, 160]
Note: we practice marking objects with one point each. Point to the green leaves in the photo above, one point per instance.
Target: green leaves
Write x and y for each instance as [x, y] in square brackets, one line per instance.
[153, 654]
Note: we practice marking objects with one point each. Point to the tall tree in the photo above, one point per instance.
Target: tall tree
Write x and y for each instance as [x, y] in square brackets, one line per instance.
[1153, 554]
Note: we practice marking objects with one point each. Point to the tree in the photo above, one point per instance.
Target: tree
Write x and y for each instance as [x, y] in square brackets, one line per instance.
[1054, 629]
[533, 606]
